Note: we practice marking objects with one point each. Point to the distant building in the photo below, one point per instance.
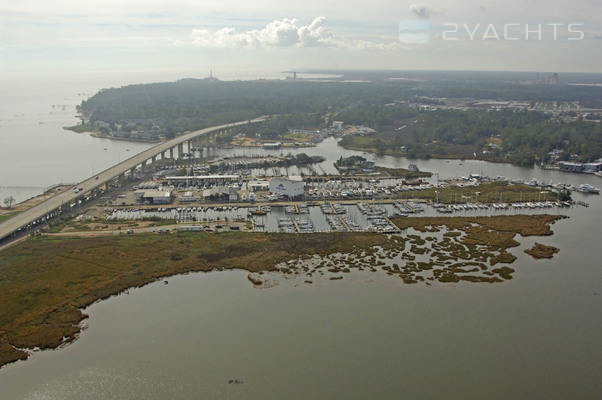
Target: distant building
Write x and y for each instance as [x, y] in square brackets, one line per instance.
[189, 180]
[592, 167]
[147, 185]
[291, 187]
[304, 131]
[272, 146]
[187, 197]
[570, 166]
[337, 125]
[233, 195]
[580, 167]
[555, 154]
[153, 196]
[364, 129]
[258, 185]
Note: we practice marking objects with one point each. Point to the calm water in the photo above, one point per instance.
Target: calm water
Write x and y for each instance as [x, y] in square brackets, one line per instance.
[36, 151]
[366, 336]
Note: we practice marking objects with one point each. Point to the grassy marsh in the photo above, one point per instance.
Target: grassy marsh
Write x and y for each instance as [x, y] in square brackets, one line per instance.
[46, 281]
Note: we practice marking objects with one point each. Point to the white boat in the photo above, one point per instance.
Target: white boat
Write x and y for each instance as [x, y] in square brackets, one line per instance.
[587, 188]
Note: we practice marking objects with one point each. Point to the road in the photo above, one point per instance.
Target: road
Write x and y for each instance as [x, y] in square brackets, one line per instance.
[26, 217]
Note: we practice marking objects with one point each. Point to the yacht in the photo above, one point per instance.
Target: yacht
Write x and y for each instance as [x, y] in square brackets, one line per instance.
[587, 188]
[257, 211]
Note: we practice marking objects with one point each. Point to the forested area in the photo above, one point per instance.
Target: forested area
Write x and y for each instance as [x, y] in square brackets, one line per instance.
[169, 108]
[520, 137]
[377, 117]
[588, 96]
[274, 127]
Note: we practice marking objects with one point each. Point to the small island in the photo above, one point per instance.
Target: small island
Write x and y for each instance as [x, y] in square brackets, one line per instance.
[542, 251]
[354, 165]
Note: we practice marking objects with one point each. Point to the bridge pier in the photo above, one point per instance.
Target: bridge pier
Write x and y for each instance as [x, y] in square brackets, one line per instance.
[205, 137]
[171, 153]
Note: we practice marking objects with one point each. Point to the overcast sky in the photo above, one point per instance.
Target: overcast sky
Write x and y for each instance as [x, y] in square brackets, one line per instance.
[248, 38]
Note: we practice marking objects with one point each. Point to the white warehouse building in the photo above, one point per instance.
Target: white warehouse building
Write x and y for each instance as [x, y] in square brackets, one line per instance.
[290, 187]
[153, 196]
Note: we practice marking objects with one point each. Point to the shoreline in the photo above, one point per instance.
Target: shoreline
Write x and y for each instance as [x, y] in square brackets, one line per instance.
[33, 201]
[452, 157]
[97, 134]
[62, 317]
[88, 270]
[435, 156]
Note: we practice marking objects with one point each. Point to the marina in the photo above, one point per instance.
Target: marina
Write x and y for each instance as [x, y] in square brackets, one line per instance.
[327, 217]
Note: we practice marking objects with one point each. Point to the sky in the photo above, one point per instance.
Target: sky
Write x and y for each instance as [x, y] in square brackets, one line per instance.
[246, 39]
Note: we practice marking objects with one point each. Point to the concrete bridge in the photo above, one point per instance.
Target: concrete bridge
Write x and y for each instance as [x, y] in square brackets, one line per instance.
[12, 225]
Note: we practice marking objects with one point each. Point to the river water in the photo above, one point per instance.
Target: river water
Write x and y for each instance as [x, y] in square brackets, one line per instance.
[366, 336]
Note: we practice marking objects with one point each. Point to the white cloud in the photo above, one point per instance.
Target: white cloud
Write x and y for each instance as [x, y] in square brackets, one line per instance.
[280, 33]
[315, 33]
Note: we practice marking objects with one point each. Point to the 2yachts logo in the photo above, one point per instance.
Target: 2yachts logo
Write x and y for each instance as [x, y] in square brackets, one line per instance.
[418, 31]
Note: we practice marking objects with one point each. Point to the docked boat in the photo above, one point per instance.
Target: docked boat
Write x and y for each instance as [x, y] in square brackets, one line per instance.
[257, 211]
[587, 188]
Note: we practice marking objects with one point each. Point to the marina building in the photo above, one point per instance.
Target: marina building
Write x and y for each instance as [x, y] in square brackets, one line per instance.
[291, 187]
[257, 185]
[272, 146]
[153, 196]
[193, 180]
[592, 167]
[580, 167]
[338, 125]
